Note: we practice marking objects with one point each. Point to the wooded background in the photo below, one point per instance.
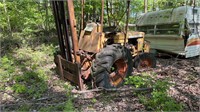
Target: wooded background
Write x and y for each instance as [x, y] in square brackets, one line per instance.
[28, 80]
[32, 16]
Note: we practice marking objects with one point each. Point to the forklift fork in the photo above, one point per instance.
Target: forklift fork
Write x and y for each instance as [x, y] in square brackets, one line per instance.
[67, 68]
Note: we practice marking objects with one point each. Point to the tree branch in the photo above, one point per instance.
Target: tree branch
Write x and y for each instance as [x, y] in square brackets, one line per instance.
[112, 90]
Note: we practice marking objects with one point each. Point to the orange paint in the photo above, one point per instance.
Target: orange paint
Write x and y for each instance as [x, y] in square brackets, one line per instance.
[194, 43]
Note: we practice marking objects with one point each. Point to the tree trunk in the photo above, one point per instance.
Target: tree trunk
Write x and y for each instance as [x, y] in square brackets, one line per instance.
[8, 18]
[145, 6]
[192, 2]
[82, 15]
[111, 12]
[47, 21]
[107, 10]
[102, 12]
[154, 5]
[94, 11]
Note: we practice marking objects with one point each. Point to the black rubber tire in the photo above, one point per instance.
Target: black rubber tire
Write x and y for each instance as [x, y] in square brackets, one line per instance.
[104, 60]
[154, 52]
[144, 56]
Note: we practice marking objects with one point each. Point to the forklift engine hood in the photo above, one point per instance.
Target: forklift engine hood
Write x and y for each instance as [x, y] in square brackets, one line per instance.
[91, 38]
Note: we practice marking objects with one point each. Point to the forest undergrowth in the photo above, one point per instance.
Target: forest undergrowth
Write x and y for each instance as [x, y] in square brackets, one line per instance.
[29, 82]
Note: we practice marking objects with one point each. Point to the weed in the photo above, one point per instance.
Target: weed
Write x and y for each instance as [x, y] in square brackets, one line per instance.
[158, 99]
[19, 88]
[30, 84]
[69, 106]
[66, 107]
[26, 71]
[94, 100]
[23, 108]
[7, 70]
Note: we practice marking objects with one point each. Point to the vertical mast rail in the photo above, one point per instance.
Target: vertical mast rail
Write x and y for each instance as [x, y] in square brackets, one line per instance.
[65, 32]
[62, 29]
[58, 27]
[127, 20]
[72, 21]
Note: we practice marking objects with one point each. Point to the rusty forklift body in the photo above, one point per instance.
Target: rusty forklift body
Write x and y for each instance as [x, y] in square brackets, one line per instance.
[103, 57]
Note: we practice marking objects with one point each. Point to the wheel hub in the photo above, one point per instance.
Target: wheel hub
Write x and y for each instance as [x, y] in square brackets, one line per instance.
[145, 63]
[118, 72]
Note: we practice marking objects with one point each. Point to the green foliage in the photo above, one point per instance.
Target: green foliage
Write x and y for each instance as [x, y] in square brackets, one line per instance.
[66, 107]
[33, 60]
[30, 84]
[6, 67]
[24, 108]
[69, 106]
[52, 108]
[158, 99]
[35, 57]
[140, 81]
[7, 70]
[27, 29]
[26, 16]
[25, 71]
[94, 100]
[19, 88]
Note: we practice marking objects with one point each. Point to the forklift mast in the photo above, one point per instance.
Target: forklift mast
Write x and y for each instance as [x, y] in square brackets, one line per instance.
[62, 29]
[68, 65]
[65, 27]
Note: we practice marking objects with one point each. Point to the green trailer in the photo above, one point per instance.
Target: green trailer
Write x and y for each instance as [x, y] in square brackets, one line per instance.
[174, 30]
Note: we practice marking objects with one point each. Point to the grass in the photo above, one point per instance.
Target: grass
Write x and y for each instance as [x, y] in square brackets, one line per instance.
[158, 99]
[27, 72]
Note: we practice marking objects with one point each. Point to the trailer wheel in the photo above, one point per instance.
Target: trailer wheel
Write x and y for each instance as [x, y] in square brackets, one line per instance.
[144, 60]
[111, 66]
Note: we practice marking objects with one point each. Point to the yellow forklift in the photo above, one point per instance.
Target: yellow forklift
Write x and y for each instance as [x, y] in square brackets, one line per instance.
[103, 57]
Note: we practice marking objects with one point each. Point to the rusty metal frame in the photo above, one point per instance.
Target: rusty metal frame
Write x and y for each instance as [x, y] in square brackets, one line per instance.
[67, 68]
[72, 21]
[62, 28]
[70, 71]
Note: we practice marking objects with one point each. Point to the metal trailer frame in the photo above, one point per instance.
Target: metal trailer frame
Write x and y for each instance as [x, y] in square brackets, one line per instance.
[173, 30]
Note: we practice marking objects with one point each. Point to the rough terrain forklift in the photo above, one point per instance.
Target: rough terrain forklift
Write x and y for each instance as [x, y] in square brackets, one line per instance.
[102, 56]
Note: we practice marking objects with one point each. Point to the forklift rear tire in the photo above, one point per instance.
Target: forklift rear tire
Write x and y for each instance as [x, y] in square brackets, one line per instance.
[111, 66]
[144, 60]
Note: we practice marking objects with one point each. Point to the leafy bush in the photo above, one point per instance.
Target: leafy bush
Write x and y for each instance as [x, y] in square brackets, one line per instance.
[6, 67]
[69, 105]
[7, 70]
[19, 88]
[30, 84]
[140, 81]
[158, 99]
[26, 71]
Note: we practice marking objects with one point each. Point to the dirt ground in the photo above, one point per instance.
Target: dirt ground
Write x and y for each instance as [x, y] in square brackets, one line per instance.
[184, 73]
